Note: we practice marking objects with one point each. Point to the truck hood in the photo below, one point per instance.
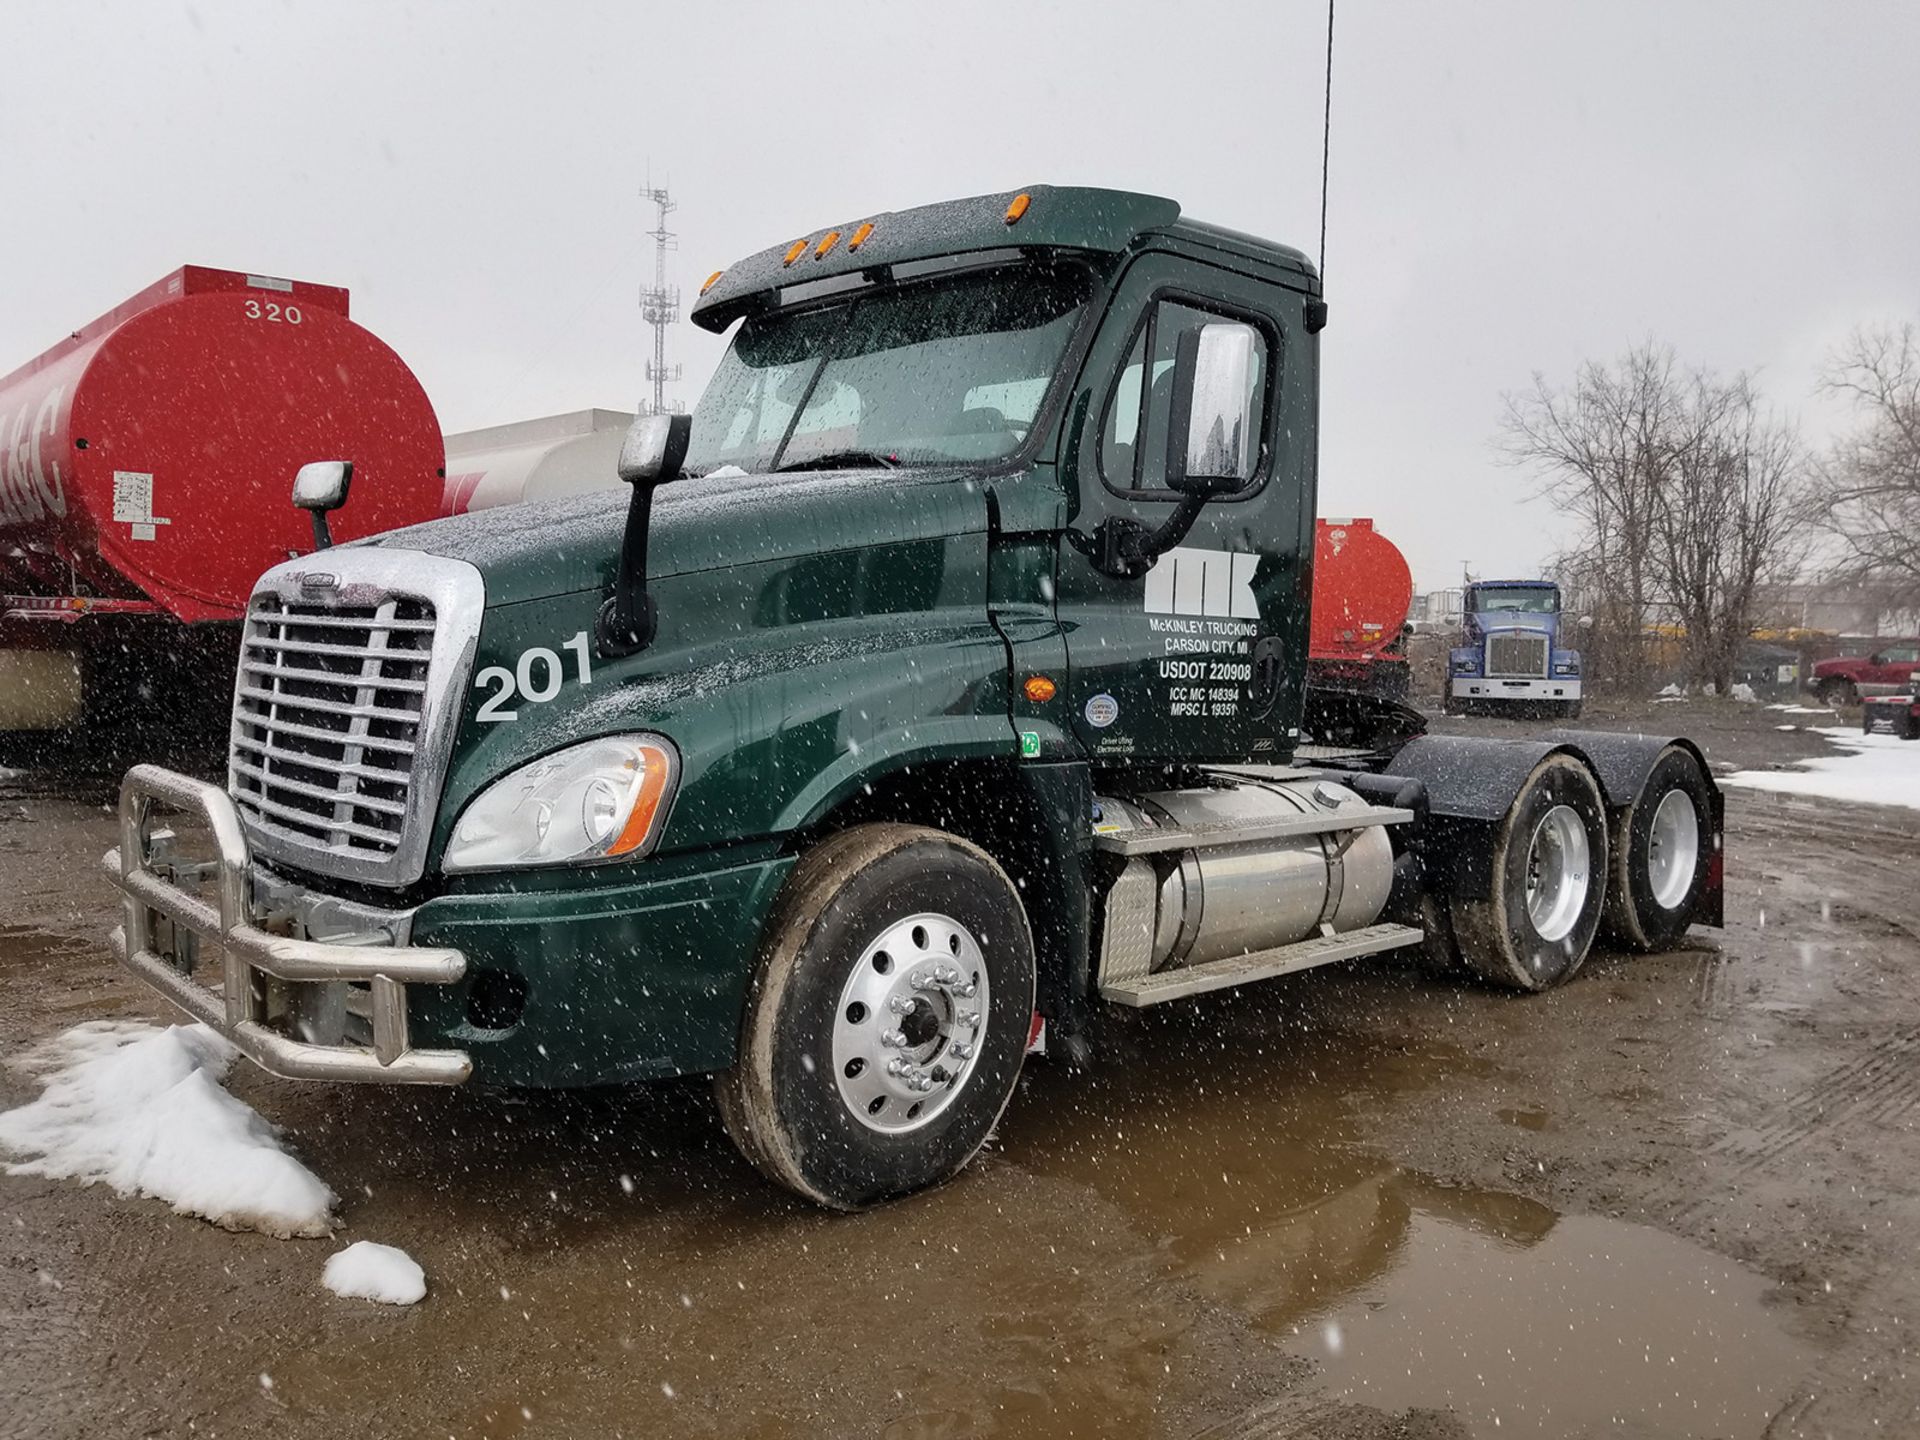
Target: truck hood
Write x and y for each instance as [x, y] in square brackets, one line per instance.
[533, 551]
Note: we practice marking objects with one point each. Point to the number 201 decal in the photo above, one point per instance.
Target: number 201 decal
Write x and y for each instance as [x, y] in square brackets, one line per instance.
[537, 676]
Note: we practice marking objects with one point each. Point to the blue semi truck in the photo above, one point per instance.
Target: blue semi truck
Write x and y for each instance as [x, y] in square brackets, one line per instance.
[1510, 658]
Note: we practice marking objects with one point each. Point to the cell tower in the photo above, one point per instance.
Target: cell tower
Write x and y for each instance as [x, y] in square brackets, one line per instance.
[660, 307]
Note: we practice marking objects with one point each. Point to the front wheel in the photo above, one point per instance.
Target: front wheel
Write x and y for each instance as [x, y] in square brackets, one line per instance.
[1840, 694]
[1549, 881]
[888, 1019]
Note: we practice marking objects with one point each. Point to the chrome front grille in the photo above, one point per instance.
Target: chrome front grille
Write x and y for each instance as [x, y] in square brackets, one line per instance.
[342, 720]
[1514, 656]
[326, 720]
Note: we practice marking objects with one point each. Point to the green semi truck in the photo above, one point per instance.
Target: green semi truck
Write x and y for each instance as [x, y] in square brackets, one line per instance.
[936, 685]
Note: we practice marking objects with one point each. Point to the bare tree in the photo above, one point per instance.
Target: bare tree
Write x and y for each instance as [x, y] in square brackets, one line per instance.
[1872, 475]
[1602, 450]
[1728, 518]
[1686, 491]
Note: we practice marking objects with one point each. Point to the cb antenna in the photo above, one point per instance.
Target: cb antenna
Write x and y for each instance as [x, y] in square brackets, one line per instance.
[1326, 143]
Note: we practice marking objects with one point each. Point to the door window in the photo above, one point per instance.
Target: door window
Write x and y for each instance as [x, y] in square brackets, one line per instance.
[1133, 441]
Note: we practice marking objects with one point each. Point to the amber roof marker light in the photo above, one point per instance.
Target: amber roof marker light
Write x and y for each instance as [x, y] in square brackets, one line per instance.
[711, 281]
[795, 251]
[1018, 207]
[860, 235]
[827, 242]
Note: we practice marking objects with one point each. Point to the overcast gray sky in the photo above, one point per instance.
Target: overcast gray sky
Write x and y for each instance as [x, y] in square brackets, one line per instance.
[1516, 186]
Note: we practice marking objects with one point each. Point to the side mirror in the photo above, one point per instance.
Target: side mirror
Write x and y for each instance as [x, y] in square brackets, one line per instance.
[651, 455]
[320, 486]
[1211, 447]
[655, 448]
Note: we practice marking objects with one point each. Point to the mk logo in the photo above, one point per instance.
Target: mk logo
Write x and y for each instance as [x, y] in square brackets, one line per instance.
[1215, 583]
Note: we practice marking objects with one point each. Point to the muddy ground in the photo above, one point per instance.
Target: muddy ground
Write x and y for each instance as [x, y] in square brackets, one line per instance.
[1677, 1197]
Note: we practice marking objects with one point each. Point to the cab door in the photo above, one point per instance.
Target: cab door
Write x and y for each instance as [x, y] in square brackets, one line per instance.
[1203, 656]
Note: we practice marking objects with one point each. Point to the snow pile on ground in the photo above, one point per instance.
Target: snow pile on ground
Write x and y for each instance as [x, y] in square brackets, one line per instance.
[1743, 692]
[1877, 770]
[1671, 692]
[1802, 709]
[368, 1271]
[140, 1108]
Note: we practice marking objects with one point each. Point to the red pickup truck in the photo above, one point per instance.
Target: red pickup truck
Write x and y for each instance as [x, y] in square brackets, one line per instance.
[1839, 681]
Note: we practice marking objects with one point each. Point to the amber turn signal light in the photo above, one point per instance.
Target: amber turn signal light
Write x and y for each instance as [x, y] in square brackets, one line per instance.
[1039, 689]
[1018, 207]
[712, 280]
[656, 769]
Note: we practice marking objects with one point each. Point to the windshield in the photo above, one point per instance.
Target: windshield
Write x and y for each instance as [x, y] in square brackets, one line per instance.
[1534, 599]
[953, 370]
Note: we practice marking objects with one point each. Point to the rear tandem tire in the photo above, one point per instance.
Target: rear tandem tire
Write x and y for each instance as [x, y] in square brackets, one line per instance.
[869, 920]
[1660, 855]
[1549, 882]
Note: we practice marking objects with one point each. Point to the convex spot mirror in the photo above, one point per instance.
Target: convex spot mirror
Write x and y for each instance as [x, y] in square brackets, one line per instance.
[322, 484]
[655, 448]
[1211, 445]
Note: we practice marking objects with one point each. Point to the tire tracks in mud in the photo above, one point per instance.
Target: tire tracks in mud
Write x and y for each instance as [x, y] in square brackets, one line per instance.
[1875, 1087]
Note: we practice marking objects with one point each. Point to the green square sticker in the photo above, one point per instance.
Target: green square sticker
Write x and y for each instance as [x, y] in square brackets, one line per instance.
[1029, 744]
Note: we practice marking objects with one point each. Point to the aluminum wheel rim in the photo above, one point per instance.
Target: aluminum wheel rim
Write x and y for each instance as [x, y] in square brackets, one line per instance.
[912, 1018]
[1559, 872]
[1673, 849]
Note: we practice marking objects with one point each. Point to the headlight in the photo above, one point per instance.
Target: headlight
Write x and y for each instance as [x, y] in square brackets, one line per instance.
[604, 800]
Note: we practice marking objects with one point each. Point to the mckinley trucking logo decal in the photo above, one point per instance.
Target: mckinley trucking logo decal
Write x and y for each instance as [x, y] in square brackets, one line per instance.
[1200, 603]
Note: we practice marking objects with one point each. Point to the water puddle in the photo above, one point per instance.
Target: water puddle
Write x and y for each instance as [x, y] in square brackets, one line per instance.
[1194, 1239]
[1592, 1327]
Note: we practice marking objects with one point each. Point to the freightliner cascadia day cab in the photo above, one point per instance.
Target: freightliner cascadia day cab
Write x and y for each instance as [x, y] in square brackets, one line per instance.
[940, 678]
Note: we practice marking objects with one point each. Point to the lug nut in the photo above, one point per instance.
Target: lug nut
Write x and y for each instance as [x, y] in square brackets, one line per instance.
[966, 991]
[899, 1006]
[898, 1065]
[969, 1018]
[893, 1039]
[961, 1051]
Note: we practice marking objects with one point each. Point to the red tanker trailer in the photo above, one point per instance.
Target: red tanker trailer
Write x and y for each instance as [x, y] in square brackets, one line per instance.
[145, 469]
[1362, 590]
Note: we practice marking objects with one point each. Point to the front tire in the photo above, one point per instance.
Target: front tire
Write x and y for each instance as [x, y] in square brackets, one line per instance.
[1839, 694]
[1660, 855]
[1549, 869]
[888, 1019]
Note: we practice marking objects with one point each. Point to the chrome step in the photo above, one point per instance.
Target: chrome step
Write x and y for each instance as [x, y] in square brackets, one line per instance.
[1173, 984]
[1169, 837]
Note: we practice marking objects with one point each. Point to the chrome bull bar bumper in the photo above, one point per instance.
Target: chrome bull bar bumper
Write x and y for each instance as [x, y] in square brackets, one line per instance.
[238, 1009]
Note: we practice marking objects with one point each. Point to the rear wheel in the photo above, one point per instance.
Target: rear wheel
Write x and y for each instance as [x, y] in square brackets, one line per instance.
[1549, 869]
[1660, 855]
[888, 1020]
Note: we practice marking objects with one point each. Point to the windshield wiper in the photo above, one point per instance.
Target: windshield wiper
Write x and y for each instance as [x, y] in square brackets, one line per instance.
[842, 460]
